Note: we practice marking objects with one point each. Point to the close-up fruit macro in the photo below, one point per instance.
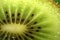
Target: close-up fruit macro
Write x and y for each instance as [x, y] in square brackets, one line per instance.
[29, 20]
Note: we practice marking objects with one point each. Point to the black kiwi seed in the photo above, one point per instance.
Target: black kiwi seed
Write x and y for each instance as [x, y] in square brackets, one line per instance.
[22, 20]
[26, 34]
[39, 27]
[27, 21]
[12, 15]
[7, 16]
[6, 38]
[18, 14]
[32, 15]
[4, 21]
[29, 36]
[6, 12]
[17, 20]
[8, 21]
[37, 30]
[13, 20]
[30, 32]
[19, 37]
[31, 27]
[35, 23]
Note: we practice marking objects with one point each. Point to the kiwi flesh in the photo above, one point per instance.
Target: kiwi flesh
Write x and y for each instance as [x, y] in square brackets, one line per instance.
[29, 20]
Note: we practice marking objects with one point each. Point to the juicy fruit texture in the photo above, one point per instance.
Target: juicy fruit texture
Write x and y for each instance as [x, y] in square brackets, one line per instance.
[29, 20]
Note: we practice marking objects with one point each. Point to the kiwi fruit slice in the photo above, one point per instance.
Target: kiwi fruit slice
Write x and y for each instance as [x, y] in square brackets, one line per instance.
[29, 20]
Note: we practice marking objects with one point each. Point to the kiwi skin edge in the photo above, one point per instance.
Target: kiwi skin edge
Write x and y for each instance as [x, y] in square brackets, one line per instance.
[29, 20]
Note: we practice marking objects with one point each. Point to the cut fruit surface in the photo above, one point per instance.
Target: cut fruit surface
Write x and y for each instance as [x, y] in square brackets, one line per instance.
[29, 20]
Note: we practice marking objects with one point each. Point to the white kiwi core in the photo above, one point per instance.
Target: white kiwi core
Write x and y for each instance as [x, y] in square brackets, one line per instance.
[14, 28]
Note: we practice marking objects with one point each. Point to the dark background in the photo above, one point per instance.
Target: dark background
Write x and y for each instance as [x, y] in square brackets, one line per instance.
[57, 1]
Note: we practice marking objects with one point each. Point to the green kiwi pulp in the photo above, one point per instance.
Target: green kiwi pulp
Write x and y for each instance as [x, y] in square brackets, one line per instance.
[29, 20]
